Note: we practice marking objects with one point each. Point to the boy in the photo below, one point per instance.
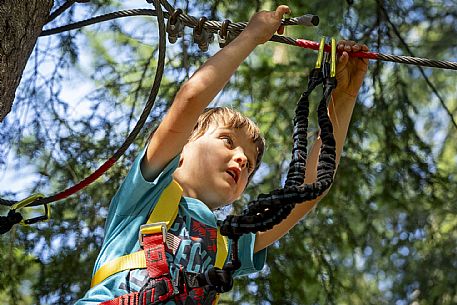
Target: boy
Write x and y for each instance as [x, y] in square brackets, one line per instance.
[212, 156]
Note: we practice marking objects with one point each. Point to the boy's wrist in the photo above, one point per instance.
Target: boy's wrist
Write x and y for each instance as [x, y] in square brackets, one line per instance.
[248, 37]
[344, 94]
[343, 102]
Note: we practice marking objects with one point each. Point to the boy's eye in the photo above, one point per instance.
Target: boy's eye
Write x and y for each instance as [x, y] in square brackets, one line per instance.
[227, 140]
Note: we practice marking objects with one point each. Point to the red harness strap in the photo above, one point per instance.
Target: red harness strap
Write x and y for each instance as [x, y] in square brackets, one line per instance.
[159, 287]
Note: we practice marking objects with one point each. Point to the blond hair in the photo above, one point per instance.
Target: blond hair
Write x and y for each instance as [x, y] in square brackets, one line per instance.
[229, 118]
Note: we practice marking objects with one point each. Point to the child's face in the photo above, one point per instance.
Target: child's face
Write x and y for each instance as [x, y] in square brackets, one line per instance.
[215, 167]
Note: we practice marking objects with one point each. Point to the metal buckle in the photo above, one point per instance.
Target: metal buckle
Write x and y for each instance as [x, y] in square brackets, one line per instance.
[152, 228]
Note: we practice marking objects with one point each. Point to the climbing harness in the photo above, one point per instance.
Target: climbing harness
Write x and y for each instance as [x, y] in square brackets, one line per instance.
[154, 239]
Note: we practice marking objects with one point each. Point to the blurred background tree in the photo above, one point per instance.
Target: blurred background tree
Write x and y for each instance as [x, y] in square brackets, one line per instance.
[386, 232]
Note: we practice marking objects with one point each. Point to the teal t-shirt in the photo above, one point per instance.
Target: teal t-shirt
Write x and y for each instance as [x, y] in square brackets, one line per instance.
[194, 235]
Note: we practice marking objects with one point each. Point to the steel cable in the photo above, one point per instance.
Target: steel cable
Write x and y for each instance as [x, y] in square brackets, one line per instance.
[236, 27]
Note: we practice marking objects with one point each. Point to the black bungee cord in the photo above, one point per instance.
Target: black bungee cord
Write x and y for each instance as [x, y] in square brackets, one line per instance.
[270, 209]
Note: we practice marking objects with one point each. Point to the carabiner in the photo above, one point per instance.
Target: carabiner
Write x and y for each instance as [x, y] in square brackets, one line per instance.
[320, 54]
[326, 61]
[25, 202]
[333, 59]
[201, 36]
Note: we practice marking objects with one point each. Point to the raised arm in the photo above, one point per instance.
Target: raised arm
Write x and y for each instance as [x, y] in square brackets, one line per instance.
[350, 74]
[196, 93]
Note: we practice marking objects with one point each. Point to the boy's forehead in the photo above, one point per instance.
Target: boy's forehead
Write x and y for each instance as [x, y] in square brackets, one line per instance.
[239, 132]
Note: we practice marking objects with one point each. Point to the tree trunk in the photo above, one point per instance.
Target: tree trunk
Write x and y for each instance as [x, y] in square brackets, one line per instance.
[20, 24]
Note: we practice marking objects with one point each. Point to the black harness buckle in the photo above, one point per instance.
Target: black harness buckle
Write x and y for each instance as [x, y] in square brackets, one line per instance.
[156, 291]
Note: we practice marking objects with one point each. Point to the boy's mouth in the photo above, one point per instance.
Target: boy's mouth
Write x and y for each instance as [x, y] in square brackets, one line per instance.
[235, 173]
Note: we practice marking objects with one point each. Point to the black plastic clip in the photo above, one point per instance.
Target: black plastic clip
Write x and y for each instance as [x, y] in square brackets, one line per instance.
[175, 27]
[224, 34]
[201, 36]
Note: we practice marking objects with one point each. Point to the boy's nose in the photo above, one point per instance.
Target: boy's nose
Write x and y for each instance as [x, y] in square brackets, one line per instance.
[241, 160]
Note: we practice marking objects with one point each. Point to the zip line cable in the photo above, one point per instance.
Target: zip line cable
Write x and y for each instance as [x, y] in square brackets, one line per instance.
[235, 28]
[63, 8]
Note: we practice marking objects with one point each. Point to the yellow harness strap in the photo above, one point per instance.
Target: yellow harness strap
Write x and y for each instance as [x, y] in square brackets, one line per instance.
[221, 256]
[166, 211]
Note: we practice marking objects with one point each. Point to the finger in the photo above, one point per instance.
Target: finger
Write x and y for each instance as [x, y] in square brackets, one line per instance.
[281, 10]
[345, 45]
[348, 45]
[342, 62]
[340, 46]
[356, 48]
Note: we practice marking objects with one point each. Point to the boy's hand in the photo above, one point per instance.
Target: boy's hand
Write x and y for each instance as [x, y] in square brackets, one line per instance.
[350, 71]
[264, 24]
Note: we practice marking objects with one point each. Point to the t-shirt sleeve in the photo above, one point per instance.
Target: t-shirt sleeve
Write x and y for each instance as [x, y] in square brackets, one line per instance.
[135, 194]
[250, 262]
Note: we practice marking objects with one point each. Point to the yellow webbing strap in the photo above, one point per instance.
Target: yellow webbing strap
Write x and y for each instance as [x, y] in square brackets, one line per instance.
[167, 206]
[118, 264]
[221, 256]
[165, 210]
[222, 250]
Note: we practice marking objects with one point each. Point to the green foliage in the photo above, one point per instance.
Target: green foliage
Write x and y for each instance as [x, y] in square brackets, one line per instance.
[385, 233]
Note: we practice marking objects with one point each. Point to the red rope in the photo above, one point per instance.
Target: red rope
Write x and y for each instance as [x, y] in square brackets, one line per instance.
[308, 44]
[82, 184]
